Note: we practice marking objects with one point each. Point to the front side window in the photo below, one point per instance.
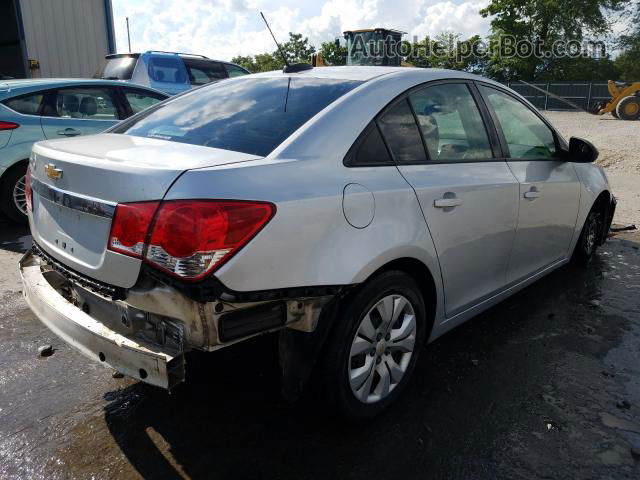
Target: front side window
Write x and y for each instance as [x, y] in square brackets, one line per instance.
[398, 126]
[451, 123]
[140, 99]
[249, 115]
[87, 103]
[527, 136]
[27, 105]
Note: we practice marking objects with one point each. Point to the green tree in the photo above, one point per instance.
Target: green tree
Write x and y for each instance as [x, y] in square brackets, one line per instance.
[628, 62]
[296, 49]
[447, 50]
[543, 22]
[333, 54]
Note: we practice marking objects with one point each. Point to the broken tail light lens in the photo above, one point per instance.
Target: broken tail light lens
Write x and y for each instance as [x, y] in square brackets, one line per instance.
[189, 238]
[130, 226]
[192, 238]
[27, 189]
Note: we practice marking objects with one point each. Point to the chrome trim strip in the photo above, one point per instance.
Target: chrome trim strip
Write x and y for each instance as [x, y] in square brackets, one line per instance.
[73, 201]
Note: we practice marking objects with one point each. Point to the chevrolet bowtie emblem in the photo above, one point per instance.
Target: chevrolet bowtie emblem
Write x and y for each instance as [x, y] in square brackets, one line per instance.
[52, 171]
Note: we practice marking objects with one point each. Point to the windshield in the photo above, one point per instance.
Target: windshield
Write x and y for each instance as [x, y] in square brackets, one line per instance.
[249, 115]
[119, 68]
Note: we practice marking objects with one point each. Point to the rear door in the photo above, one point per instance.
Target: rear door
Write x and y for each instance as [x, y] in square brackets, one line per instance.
[549, 186]
[73, 111]
[438, 137]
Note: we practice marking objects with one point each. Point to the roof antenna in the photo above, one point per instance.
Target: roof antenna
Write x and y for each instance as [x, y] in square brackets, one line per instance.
[296, 67]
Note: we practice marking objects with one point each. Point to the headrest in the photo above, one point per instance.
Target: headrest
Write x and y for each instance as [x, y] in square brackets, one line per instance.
[88, 106]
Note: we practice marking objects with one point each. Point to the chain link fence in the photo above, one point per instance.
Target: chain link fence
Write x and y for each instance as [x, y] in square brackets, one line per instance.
[584, 93]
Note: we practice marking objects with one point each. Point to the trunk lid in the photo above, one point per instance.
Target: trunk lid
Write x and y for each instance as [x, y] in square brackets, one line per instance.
[78, 182]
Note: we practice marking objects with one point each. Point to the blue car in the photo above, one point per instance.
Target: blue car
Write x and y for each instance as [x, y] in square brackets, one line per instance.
[39, 109]
[168, 72]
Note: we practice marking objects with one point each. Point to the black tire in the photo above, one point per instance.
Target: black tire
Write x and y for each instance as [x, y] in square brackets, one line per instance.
[589, 237]
[7, 203]
[334, 375]
[615, 115]
[628, 108]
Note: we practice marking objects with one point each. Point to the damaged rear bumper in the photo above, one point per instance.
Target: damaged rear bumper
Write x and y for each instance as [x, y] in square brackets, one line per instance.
[149, 363]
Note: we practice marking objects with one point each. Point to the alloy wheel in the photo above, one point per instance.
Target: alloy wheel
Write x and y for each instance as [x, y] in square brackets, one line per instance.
[20, 195]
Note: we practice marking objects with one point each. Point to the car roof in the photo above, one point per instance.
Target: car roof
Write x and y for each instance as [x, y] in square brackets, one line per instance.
[9, 88]
[364, 74]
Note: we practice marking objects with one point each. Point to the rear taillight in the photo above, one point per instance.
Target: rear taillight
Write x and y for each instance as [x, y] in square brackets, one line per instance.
[27, 189]
[189, 238]
[130, 226]
[8, 125]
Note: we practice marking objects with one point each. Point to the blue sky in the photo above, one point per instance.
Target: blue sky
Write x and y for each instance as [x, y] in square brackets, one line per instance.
[224, 28]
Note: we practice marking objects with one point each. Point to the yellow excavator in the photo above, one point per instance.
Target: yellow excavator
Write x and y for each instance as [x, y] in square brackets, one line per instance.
[383, 40]
[624, 103]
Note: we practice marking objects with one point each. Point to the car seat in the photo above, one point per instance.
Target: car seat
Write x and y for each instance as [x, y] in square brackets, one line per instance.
[88, 107]
[70, 106]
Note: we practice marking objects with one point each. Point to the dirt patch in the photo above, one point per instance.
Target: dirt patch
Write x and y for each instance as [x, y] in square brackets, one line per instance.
[619, 144]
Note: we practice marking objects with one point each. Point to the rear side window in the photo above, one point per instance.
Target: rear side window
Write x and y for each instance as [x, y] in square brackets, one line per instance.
[399, 128]
[27, 105]
[370, 151]
[202, 72]
[527, 136]
[119, 68]
[249, 115]
[451, 123]
[167, 69]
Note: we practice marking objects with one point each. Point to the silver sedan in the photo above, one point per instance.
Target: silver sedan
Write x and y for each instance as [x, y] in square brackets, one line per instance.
[361, 212]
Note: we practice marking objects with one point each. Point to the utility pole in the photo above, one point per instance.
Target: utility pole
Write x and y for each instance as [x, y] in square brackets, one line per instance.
[128, 35]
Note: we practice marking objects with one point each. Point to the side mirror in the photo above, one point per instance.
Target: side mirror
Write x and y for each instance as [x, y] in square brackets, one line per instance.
[582, 151]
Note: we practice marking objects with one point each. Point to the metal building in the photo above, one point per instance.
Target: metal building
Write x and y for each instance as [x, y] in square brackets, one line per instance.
[54, 38]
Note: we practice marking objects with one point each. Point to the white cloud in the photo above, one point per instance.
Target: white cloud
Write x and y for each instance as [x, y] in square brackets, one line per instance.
[225, 28]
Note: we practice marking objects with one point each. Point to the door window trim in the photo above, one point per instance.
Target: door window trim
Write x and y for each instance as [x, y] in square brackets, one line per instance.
[505, 147]
[489, 124]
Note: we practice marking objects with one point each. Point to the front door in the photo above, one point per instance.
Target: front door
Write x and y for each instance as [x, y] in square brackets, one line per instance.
[549, 187]
[74, 111]
[468, 197]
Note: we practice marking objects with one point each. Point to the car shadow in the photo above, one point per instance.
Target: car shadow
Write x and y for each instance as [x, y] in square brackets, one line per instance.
[229, 421]
[14, 237]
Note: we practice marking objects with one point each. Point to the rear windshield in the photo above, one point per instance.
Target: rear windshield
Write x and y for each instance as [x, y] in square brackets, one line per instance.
[249, 115]
[119, 68]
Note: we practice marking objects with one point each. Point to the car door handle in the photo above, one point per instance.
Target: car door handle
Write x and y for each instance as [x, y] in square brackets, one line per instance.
[447, 202]
[532, 194]
[68, 132]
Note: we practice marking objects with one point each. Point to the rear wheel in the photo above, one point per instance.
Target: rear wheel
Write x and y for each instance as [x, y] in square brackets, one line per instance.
[629, 108]
[374, 346]
[13, 198]
[588, 241]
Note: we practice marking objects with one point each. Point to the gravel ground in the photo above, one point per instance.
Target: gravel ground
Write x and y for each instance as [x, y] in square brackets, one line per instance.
[619, 145]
